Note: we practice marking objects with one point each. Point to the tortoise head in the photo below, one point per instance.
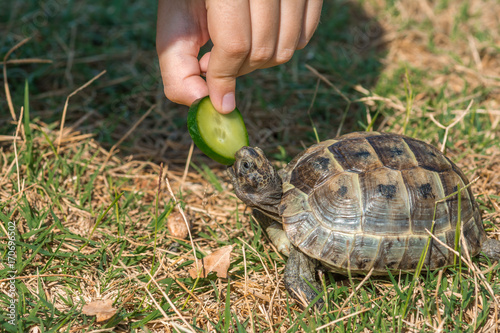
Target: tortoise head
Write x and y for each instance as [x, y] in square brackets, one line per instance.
[255, 181]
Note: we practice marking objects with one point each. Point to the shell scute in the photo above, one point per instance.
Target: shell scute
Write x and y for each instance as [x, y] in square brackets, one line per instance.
[451, 183]
[474, 234]
[337, 204]
[293, 202]
[315, 241]
[297, 160]
[335, 249]
[313, 170]
[359, 135]
[298, 227]
[438, 255]
[355, 155]
[424, 189]
[427, 156]
[393, 152]
[390, 253]
[385, 203]
[364, 252]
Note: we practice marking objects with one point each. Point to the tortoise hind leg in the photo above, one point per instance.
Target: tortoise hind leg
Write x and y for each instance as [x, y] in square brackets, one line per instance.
[299, 269]
[491, 248]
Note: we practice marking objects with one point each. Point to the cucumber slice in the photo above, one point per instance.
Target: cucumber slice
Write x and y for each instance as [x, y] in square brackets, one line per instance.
[218, 136]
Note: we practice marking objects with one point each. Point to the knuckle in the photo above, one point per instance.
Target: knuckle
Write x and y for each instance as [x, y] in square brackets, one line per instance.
[171, 94]
[236, 49]
[261, 55]
[284, 55]
[302, 43]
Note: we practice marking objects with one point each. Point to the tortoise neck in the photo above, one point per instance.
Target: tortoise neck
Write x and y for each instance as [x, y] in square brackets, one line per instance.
[270, 211]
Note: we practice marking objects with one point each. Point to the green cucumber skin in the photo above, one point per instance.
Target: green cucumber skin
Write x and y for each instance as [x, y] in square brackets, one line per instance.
[195, 133]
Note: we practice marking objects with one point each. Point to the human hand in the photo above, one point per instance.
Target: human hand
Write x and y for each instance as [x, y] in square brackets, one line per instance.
[246, 34]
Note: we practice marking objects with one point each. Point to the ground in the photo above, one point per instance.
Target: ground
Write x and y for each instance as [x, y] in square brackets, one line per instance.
[94, 180]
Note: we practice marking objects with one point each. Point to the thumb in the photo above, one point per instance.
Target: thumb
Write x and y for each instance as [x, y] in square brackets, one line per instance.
[222, 91]
[221, 87]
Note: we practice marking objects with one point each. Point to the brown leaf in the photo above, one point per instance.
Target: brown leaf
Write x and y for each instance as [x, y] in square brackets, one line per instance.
[177, 226]
[102, 309]
[217, 261]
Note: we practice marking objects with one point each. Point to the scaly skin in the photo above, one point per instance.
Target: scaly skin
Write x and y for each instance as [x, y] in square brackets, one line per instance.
[491, 248]
[274, 230]
[299, 269]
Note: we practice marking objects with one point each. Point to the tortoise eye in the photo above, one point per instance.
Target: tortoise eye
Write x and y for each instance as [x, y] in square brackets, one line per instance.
[245, 165]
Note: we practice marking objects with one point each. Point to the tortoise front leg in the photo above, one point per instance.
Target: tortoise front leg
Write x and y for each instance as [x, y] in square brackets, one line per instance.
[491, 248]
[299, 269]
[275, 232]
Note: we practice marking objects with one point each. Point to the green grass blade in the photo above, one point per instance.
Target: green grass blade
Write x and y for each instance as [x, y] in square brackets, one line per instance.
[27, 128]
[227, 307]
[409, 99]
[209, 175]
[99, 220]
[418, 270]
[458, 228]
[28, 154]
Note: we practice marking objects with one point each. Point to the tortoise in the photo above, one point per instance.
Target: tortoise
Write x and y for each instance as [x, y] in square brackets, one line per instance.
[361, 202]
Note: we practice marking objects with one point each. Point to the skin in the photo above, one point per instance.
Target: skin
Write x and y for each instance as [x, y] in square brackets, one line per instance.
[246, 34]
[259, 186]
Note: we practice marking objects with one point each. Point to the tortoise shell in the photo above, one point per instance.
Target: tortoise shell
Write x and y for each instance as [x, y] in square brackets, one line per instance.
[366, 200]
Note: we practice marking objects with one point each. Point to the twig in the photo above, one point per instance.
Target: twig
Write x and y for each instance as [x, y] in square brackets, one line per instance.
[179, 207]
[341, 319]
[310, 108]
[436, 296]
[47, 275]
[447, 128]
[28, 61]
[15, 150]
[246, 288]
[328, 82]
[258, 254]
[5, 81]
[164, 295]
[20, 191]
[475, 53]
[471, 266]
[186, 168]
[67, 102]
[8, 138]
[111, 151]
[356, 289]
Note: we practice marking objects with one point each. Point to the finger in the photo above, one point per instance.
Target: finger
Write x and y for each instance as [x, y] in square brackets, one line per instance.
[229, 26]
[291, 18]
[265, 20]
[180, 72]
[181, 31]
[310, 23]
[204, 63]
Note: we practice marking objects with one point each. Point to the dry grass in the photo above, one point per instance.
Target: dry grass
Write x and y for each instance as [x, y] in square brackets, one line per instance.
[84, 252]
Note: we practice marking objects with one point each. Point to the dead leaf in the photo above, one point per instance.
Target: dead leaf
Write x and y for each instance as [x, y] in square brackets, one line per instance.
[177, 226]
[218, 261]
[102, 309]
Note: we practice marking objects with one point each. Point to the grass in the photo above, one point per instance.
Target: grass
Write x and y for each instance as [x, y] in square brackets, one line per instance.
[90, 224]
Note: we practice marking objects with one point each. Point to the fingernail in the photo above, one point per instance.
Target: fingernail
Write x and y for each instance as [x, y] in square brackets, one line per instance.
[228, 103]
